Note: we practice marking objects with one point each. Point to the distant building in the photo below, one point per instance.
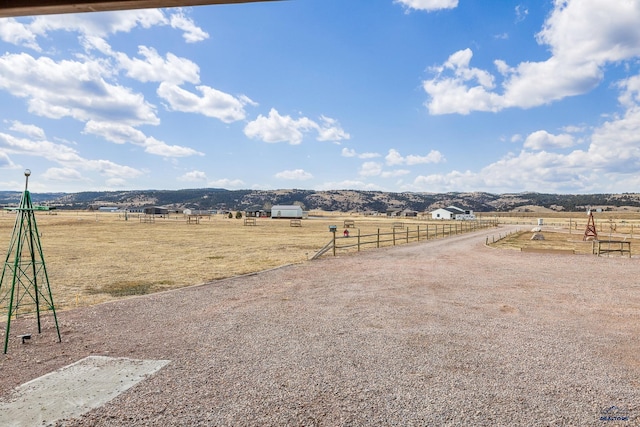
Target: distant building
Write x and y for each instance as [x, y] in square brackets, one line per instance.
[255, 212]
[108, 209]
[453, 212]
[286, 211]
[155, 210]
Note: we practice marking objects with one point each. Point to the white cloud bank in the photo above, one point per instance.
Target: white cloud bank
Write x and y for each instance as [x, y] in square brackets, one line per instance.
[581, 45]
[610, 163]
[428, 5]
[278, 128]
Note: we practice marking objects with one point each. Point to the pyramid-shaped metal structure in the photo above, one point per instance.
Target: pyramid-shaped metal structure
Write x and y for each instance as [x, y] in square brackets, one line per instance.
[24, 286]
[590, 232]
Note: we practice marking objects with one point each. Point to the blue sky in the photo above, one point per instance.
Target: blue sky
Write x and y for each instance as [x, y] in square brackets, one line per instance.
[390, 95]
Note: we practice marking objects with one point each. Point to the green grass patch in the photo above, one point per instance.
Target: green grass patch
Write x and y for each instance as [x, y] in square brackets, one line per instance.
[128, 288]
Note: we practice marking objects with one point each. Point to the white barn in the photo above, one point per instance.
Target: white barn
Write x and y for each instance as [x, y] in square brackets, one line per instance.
[453, 212]
[286, 211]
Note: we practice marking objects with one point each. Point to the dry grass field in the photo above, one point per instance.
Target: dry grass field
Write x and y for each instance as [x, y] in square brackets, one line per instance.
[95, 257]
[565, 231]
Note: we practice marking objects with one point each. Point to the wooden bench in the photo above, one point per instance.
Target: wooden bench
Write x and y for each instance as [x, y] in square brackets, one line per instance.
[349, 223]
[193, 219]
[295, 223]
[622, 246]
[398, 225]
[250, 221]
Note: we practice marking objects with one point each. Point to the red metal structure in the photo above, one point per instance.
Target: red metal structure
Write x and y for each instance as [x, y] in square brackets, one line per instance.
[590, 231]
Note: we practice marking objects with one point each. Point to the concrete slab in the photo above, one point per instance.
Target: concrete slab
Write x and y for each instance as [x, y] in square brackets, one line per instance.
[74, 389]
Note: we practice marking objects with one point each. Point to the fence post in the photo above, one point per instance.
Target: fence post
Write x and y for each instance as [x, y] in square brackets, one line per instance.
[419, 233]
[334, 243]
[427, 231]
[407, 234]
[358, 240]
[394, 236]
[378, 245]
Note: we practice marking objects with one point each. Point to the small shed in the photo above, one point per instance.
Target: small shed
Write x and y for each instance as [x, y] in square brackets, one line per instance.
[286, 211]
[255, 212]
[155, 210]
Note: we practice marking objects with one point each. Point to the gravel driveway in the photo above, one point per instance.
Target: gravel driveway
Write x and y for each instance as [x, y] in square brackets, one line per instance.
[445, 332]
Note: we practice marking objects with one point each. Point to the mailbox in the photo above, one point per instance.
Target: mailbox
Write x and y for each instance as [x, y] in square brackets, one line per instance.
[333, 228]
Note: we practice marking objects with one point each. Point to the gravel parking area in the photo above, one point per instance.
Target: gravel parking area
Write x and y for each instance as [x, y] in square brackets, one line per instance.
[445, 332]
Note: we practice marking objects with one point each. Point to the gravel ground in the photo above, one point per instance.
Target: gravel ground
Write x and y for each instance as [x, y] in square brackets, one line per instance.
[445, 332]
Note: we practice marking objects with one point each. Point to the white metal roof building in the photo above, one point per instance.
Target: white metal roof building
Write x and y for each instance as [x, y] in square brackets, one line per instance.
[453, 212]
[286, 211]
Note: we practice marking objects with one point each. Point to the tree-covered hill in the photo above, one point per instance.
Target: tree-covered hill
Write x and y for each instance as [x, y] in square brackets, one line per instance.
[333, 200]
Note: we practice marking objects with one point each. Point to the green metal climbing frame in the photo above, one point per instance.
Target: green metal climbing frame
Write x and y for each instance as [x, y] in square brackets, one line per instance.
[24, 286]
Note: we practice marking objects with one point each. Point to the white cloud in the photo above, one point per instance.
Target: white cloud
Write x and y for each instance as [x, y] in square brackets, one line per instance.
[428, 5]
[192, 33]
[154, 68]
[615, 146]
[348, 185]
[72, 89]
[193, 176]
[630, 95]
[453, 95]
[370, 169]
[434, 156]
[211, 103]
[296, 175]
[122, 133]
[226, 183]
[609, 164]
[521, 13]
[31, 131]
[96, 25]
[573, 129]
[17, 33]
[347, 152]
[159, 148]
[395, 173]
[63, 174]
[116, 182]
[330, 130]
[65, 156]
[5, 160]
[542, 139]
[277, 128]
[581, 44]
[394, 158]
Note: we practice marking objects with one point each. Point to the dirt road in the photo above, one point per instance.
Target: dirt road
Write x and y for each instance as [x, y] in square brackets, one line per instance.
[445, 332]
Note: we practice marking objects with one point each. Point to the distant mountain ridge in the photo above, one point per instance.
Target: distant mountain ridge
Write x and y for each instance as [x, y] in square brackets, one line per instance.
[330, 200]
